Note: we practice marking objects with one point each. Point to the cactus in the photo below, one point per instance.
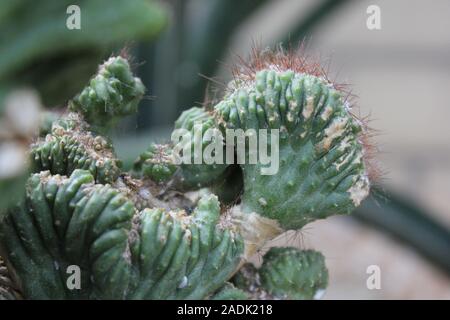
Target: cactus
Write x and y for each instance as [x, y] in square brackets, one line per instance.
[70, 146]
[286, 273]
[113, 93]
[159, 231]
[320, 156]
[123, 252]
[156, 163]
[230, 292]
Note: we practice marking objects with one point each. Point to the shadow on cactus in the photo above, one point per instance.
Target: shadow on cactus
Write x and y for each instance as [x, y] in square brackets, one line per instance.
[167, 230]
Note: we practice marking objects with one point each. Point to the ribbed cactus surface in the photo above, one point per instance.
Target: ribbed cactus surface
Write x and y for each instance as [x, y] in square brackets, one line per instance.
[159, 231]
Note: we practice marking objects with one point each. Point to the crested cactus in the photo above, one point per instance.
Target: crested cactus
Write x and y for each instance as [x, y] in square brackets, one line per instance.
[71, 146]
[321, 168]
[159, 231]
[122, 252]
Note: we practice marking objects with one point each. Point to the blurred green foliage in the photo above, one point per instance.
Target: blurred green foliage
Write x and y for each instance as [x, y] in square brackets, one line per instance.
[38, 49]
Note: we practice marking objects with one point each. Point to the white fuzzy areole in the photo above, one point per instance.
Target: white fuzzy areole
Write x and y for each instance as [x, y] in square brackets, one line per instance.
[326, 113]
[358, 158]
[360, 190]
[345, 143]
[344, 160]
[309, 108]
[335, 130]
[291, 114]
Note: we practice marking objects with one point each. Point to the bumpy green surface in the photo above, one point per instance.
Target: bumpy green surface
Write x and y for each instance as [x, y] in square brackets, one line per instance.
[81, 210]
[230, 292]
[156, 163]
[193, 175]
[321, 171]
[288, 273]
[196, 175]
[71, 146]
[153, 254]
[113, 93]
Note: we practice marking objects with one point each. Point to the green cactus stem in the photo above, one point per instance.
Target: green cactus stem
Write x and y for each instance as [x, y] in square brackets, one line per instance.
[230, 292]
[189, 176]
[322, 162]
[160, 232]
[112, 94]
[156, 163]
[286, 273]
[321, 171]
[122, 253]
[70, 146]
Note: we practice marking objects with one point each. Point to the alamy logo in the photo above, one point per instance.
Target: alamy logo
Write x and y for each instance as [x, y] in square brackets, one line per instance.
[73, 21]
[374, 19]
[374, 280]
[74, 280]
[209, 145]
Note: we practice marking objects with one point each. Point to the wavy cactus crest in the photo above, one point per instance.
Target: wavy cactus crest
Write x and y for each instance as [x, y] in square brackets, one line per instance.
[322, 171]
[123, 253]
[142, 236]
[69, 146]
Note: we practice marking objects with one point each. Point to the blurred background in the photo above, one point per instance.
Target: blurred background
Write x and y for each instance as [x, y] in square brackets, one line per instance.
[400, 74]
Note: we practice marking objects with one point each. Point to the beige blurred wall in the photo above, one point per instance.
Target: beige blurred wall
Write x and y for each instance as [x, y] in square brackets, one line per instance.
[401, 75]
